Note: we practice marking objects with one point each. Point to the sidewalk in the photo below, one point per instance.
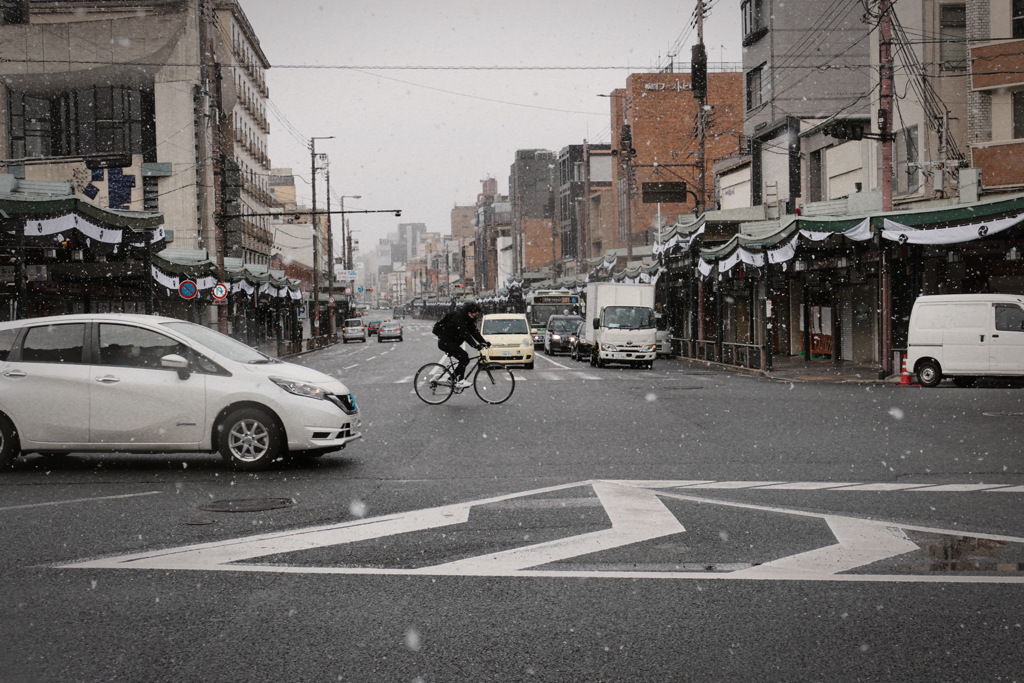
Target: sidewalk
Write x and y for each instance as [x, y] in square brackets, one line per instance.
[796, 369]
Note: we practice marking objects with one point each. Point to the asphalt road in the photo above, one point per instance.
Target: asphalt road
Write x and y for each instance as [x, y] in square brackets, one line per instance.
[673, 524]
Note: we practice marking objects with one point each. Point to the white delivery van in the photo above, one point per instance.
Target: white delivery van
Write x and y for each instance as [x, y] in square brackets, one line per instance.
[966, 336]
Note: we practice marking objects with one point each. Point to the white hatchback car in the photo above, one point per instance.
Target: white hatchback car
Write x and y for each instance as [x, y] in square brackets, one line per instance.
[148, 384]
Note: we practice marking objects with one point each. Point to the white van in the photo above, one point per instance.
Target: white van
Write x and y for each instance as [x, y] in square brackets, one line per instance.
[966, 336]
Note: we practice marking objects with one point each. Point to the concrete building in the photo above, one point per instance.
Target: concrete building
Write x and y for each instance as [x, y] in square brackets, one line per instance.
[803, 61]
[534, 231]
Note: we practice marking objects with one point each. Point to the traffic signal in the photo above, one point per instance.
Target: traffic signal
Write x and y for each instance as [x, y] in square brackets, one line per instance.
[844, 130]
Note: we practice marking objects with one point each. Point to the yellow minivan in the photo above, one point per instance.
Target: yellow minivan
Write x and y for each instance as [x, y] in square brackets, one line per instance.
[509, 335]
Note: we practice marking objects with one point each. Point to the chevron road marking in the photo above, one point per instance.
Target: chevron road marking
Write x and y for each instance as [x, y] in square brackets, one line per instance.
[636, 512]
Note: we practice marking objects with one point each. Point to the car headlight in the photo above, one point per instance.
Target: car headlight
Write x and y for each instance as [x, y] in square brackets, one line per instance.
[608, 347]
[555, 337]
[299, 388]
[527, 342]
[649, 348]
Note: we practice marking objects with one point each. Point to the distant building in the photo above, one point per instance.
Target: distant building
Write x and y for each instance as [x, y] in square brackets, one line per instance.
[534, 232]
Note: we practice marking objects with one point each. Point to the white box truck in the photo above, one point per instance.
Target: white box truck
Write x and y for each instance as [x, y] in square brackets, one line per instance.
[622, 319]
[965, 336]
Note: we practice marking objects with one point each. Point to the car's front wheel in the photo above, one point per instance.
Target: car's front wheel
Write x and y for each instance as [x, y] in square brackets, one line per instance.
[10, 447]
[250, 439]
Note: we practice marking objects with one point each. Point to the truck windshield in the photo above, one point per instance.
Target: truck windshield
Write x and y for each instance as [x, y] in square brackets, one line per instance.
[628, 317]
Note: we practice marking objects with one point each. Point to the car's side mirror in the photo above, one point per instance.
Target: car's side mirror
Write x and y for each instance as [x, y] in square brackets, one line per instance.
[175, 362]
[597, 323]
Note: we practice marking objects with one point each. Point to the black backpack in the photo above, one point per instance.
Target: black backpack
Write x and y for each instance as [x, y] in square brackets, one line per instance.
[441, 325]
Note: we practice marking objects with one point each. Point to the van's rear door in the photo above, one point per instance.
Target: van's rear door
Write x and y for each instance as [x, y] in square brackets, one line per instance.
[1007, 348]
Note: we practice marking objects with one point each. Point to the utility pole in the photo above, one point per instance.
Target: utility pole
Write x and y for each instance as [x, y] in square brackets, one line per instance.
[885, 70]
[315, 313]
[699, 85]
[330, 257]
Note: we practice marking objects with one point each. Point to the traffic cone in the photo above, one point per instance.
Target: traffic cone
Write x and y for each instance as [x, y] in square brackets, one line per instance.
[904, 375]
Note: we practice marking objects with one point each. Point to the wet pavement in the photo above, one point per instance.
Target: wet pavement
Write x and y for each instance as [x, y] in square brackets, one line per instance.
[797, 369]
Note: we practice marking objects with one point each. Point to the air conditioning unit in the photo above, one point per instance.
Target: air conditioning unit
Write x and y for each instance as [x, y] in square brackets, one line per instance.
[49, 253]
[77, 255]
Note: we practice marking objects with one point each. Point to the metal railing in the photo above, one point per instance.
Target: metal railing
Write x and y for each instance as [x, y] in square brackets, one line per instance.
[731, 353]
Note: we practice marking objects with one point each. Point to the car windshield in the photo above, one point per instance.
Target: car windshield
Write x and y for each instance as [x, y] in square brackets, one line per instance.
[563, 326]
[628, 317]
[506, 326]
[221, 343]
[389, 326]
[354, 322]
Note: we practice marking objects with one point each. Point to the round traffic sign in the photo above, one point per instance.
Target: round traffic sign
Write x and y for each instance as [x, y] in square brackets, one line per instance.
[220, 291]
[188, 289]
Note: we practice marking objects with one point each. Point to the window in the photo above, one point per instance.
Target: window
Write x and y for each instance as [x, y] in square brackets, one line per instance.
[754, 88]
[128, 346]
[54, 344]
[1018, 18]
[953, 30]
[907, 173]
[1018, 114]
[96, 120]
[6, 342]
[754, 25]
[1009, 318]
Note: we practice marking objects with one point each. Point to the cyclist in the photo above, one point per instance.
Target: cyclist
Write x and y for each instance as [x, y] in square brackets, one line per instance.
[458, 327]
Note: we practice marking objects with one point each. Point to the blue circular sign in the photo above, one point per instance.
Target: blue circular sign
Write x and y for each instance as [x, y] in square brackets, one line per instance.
[188, 289]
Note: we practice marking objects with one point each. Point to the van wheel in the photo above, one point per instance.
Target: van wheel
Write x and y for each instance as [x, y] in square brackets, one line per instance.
[10, 447]
[929, 374]
[249, 439]
[965, 382]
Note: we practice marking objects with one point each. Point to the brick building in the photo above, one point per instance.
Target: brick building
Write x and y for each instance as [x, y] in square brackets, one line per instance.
[995, 112]
[655, 139]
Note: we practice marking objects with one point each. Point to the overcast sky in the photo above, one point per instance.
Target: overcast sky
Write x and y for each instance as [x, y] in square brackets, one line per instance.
[421, 140]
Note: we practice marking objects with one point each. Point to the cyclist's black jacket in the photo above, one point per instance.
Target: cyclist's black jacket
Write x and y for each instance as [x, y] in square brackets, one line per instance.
[460, 328]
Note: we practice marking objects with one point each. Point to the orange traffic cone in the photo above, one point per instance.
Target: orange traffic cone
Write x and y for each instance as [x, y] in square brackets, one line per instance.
[904, 375]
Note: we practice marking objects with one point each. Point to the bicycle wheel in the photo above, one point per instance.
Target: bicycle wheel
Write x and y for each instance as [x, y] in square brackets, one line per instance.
[494, 383]
[433, 384]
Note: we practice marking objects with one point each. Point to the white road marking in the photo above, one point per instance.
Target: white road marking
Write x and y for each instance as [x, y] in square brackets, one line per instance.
[828, 486]
[552, 361]
[349, 367]
[636, 514]
[77, 500]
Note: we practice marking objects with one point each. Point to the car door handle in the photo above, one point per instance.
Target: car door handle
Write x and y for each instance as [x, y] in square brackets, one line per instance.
[995, 336]
[14, 373]
[107, 379]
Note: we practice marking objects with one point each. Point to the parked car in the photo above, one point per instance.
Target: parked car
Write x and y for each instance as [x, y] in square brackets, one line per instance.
[509, 335]
[663, 338]
[373, 326]
[556, 334]
[965, 337]
[389, 330]
[579, 347]
[143, 384]
[353, 329]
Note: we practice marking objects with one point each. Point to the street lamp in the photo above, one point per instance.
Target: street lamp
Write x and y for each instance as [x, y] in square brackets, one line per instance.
[316, 236]
[344, 253]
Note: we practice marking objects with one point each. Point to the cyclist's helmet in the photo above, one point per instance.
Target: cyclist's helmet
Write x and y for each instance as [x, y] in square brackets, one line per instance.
[472, 307]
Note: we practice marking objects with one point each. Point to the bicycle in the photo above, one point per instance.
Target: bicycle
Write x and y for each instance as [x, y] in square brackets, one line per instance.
[493, 382]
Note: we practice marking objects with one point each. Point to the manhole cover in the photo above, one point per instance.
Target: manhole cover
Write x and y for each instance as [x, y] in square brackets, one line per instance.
[1004, 414]
[247, 504]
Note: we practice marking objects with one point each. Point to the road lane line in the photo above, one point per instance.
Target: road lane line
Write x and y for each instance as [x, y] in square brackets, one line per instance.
[77, 500]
